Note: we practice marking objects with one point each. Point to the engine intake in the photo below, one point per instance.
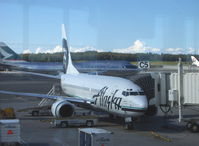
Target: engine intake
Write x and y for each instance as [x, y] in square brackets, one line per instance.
[62, 108]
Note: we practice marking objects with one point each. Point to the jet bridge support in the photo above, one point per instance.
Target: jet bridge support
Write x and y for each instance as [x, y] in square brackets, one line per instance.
[184, 93]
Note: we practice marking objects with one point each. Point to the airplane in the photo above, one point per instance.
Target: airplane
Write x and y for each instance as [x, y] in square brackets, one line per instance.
[195, 61]
[114, 95]
[12, 61]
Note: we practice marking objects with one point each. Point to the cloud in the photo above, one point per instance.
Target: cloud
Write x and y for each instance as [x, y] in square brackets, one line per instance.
[27, 51]
[180, 51]
[57, 49]
[84, 49]
[174, 50]
[137, 47]
[51, 51]
[38, 50]
[191, 51]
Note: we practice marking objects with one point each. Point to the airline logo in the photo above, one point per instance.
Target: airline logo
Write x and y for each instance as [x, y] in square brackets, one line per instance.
[107, 101]
[194, 59]
[4, 54]
[65, 58]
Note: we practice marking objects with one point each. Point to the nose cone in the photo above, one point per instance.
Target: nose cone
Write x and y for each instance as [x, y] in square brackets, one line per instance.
[140, 102]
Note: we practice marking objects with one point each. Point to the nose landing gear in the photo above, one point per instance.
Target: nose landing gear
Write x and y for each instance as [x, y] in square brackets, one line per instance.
[128, 123]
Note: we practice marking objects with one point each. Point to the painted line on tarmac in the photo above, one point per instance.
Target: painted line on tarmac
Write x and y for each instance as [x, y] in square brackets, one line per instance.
[153, 134]
[158, 136]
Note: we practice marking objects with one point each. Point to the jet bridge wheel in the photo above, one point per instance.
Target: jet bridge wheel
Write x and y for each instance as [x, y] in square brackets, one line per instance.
[195, 128]
[192, 126]
[189, 125]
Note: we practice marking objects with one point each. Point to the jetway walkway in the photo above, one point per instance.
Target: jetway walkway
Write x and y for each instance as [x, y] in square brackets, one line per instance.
[171, 90]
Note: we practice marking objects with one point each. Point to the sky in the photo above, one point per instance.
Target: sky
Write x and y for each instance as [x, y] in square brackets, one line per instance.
[126, 26]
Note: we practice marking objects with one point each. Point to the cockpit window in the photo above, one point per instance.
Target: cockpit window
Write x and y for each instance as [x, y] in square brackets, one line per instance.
[131, 92]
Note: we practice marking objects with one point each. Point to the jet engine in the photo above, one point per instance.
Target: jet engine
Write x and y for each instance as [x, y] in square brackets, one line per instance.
[62, 108]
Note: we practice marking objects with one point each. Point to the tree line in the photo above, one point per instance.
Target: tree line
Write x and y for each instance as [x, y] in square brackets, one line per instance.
[93, 55]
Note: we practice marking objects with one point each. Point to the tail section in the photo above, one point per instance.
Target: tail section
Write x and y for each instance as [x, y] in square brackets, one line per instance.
[67, 61]
[194, 61]
[6, 53]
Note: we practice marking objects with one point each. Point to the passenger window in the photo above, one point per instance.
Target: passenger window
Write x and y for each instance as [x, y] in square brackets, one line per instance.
[127, 93]
[124, 93]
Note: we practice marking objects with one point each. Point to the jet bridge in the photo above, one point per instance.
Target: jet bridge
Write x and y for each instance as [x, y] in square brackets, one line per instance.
[169, 90]
[177, 90]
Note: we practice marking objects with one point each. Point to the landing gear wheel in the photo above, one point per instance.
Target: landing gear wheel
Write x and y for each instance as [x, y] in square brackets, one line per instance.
[189, 125]
[128, 126]
[64, 124]
[89, 123]
[195, 128]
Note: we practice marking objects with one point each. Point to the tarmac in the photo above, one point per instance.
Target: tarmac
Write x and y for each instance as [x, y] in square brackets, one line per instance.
[37, 131]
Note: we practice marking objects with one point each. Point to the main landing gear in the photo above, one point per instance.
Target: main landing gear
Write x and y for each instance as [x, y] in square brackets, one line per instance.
[128, 125]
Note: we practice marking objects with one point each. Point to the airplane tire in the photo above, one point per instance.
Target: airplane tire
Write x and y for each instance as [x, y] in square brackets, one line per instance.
[128, 126]
[64, 124]
[195, 128]
[189, 125]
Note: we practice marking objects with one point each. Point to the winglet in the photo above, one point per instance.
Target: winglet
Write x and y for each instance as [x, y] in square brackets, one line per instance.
[67, 61]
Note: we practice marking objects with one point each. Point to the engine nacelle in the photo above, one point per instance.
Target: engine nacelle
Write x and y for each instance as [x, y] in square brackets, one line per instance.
[62, 108]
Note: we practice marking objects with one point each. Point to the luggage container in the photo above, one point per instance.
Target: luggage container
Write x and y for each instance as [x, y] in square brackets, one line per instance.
[10, 132]
[94, 137]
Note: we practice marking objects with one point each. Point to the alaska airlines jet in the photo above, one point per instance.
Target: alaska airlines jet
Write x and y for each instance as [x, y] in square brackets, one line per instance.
[194, 61]
[114, 95]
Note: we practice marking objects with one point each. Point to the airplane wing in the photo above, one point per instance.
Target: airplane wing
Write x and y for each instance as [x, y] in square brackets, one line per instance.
[55, 97]
[42, 75]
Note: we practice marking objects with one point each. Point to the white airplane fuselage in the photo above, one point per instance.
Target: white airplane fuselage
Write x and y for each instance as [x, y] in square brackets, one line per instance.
[112, 94]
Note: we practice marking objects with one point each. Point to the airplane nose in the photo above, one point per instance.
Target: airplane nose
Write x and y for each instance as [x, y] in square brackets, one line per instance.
[141, 102]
